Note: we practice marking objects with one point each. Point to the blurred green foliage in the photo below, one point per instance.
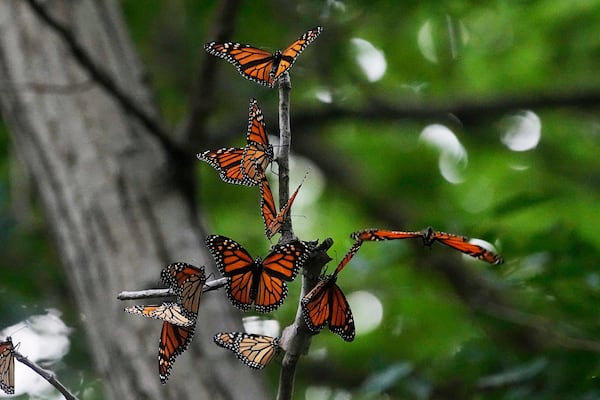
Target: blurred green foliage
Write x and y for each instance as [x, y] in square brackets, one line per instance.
[540, 206]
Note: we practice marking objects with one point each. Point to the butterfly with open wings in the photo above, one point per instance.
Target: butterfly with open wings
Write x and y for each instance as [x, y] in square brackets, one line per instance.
[258, 65]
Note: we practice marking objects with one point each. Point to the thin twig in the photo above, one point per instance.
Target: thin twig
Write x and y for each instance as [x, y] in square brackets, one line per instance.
[104, 80]
[158, 293]
[47, 375]
[283, 157]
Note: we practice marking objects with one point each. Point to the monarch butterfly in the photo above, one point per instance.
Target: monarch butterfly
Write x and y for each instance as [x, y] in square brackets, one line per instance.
[256, 351]
[258, 65]
[169, 312]
[259, 282]
[380, 234]
[187, 281]
[429, 235]
[244, 166]
[173, 341]
[272, 219]
[7, 366]
[461, 243]
[326, 304]
[179, 319]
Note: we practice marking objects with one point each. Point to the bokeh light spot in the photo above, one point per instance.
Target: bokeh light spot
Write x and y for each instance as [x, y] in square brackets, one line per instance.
[366, 309]
[370, 59]
[523, 131]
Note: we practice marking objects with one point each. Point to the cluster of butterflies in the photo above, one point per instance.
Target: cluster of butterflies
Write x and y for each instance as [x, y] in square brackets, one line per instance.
[326, 305]
[260, 283]
[7, 366]
[250, 282]
[247, 166]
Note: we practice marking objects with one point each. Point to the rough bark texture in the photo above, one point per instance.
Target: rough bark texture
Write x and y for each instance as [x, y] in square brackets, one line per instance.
[118, 207]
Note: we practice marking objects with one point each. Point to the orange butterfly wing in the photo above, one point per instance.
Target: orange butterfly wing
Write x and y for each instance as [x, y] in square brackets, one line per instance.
[258, 65]
[187, 280]
[234, 262]
[228, 163]
[268, 208]
[282, 264]
[348, 256]
[258, 153]
[461, 243]
[7, 366]
[169, 312]
[289, 55]
[252, 63]
[272, 219]
[341, 321]
[315, 305]
[381, 234]
[173, 341]
[256, 351]
[326, 304]
[225, 339]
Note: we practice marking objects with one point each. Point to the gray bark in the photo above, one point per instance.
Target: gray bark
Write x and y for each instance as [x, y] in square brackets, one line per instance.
[114, 202]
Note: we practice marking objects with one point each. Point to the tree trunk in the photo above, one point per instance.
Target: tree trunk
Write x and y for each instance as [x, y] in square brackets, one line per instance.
[118, 208]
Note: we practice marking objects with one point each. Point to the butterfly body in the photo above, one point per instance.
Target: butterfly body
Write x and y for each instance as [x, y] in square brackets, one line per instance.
[174, 340]
[259, 282]
[258, 65]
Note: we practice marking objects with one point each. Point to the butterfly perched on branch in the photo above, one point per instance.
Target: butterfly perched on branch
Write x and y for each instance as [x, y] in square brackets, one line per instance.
[258, 65]
[257, 281]
[179, 319]
[273, 219]
[244, 166]
[256, 351]
[429, 236]
[326, 304]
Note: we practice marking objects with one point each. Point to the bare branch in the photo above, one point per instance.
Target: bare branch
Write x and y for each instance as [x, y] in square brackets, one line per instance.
[158, 293]
[47, 375]
[283, 157]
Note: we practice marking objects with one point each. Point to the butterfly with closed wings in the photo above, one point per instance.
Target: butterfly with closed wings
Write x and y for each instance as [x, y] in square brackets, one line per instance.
[179, 319]
[326, 304]
[273, 219]
[257, 282]
[256, 351]
[258, 65]
[7, 366]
